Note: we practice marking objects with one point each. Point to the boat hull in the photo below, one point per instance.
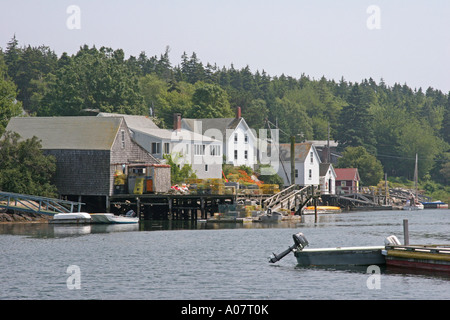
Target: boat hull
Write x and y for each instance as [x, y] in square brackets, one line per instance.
[341, 256]
[413, 207]
[109, 218]
[71, 218]
[418, 257]
[322, 209]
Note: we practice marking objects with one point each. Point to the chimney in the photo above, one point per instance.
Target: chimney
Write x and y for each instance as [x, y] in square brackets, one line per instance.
[238, 112]
[177, 121]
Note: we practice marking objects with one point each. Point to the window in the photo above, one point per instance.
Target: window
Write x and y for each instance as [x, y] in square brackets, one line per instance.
[235, 138]
[156, 147]
[214, 150]
[235, 154]
[246, 155]
[199, 149]
[310, 174]
[296, 173]
[246, 138]
[123, 138]
[166, 147]
[206, 168]
[312, 156]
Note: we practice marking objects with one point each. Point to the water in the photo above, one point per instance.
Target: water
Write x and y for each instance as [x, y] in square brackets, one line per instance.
[159, 261]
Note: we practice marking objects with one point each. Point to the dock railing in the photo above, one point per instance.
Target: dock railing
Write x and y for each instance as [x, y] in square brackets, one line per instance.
[291, 198]
[36, 204]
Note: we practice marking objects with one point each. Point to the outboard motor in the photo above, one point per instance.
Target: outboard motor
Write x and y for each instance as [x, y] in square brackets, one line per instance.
[299, 243]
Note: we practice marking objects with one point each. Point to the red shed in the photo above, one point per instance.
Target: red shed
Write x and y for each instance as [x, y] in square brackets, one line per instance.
[347, 180]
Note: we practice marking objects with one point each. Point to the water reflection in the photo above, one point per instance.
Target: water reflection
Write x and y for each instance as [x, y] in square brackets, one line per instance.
[45, 230]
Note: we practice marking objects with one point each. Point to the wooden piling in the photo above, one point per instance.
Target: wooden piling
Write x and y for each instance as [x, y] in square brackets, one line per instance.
[406, 232]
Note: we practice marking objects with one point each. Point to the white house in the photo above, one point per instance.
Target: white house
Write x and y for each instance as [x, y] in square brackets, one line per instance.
[203, 153]
[327, 179]
[238, 140]
[307, 164]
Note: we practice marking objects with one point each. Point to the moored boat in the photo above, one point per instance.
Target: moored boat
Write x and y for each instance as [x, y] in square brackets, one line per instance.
[435, 205]
[270, 217]
[425, 257]
[73, 217]
[110, 218]
[322, 209]
[341, 256]
[338, 256]
[412, 205]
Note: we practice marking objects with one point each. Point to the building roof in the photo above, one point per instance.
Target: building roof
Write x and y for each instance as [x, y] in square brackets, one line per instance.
[347, 174]
[323, 143]
[182, 135]
[72, 133]
[301, 151]
[324, 167]
[221, 124]
[133, 121]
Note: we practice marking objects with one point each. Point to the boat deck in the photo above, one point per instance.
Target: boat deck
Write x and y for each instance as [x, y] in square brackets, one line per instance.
[431, 257]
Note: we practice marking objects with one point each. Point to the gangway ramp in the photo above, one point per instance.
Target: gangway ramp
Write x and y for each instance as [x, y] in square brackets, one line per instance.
[36, 204]
[292, 198]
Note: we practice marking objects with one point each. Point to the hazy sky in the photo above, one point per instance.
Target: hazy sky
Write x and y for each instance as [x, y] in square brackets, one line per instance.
[400, 41]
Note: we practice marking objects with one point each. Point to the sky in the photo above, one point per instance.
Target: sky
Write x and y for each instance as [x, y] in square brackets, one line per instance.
[399, 41]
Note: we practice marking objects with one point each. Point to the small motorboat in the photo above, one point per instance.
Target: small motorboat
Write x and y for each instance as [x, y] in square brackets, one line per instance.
[413, 206]
[270, 217]
[72, 217]
[338, 256]
[110, 218]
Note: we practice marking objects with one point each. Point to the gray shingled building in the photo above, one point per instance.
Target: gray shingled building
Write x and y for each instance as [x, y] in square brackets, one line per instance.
[88, 151]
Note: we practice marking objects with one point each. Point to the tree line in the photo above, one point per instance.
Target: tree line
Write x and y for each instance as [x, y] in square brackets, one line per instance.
[391, 123]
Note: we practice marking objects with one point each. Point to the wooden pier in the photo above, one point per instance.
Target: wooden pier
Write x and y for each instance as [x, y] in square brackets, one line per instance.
[169, 206]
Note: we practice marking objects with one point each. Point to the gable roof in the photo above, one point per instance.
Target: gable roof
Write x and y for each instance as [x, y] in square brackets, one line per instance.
[182, 135]
[324, 167]
[71, 133]
[347, 174]
[221, 124]
[133, 121]
[301, 151]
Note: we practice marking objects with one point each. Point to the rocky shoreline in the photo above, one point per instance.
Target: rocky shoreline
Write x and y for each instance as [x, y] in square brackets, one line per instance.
[23, 217]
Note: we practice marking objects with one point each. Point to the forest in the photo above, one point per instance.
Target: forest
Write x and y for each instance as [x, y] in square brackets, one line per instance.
[390, 123]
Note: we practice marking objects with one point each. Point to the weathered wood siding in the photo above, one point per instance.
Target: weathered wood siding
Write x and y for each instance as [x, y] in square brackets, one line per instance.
[124, 151]
[81, 172]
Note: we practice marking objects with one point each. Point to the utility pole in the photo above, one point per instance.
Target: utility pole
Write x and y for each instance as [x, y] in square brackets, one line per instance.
[292, 160]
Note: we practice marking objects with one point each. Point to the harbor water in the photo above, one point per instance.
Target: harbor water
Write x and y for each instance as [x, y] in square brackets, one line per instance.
[171, 260]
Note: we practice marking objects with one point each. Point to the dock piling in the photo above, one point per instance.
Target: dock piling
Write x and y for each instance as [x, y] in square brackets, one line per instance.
[406, 232]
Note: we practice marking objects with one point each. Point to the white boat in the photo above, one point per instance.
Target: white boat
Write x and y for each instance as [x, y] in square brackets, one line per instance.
[73, 217]
[269, 217]
[413, 205]
[110, 218]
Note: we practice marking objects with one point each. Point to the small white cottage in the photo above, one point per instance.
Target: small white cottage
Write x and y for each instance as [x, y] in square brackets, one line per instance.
[307, 164]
